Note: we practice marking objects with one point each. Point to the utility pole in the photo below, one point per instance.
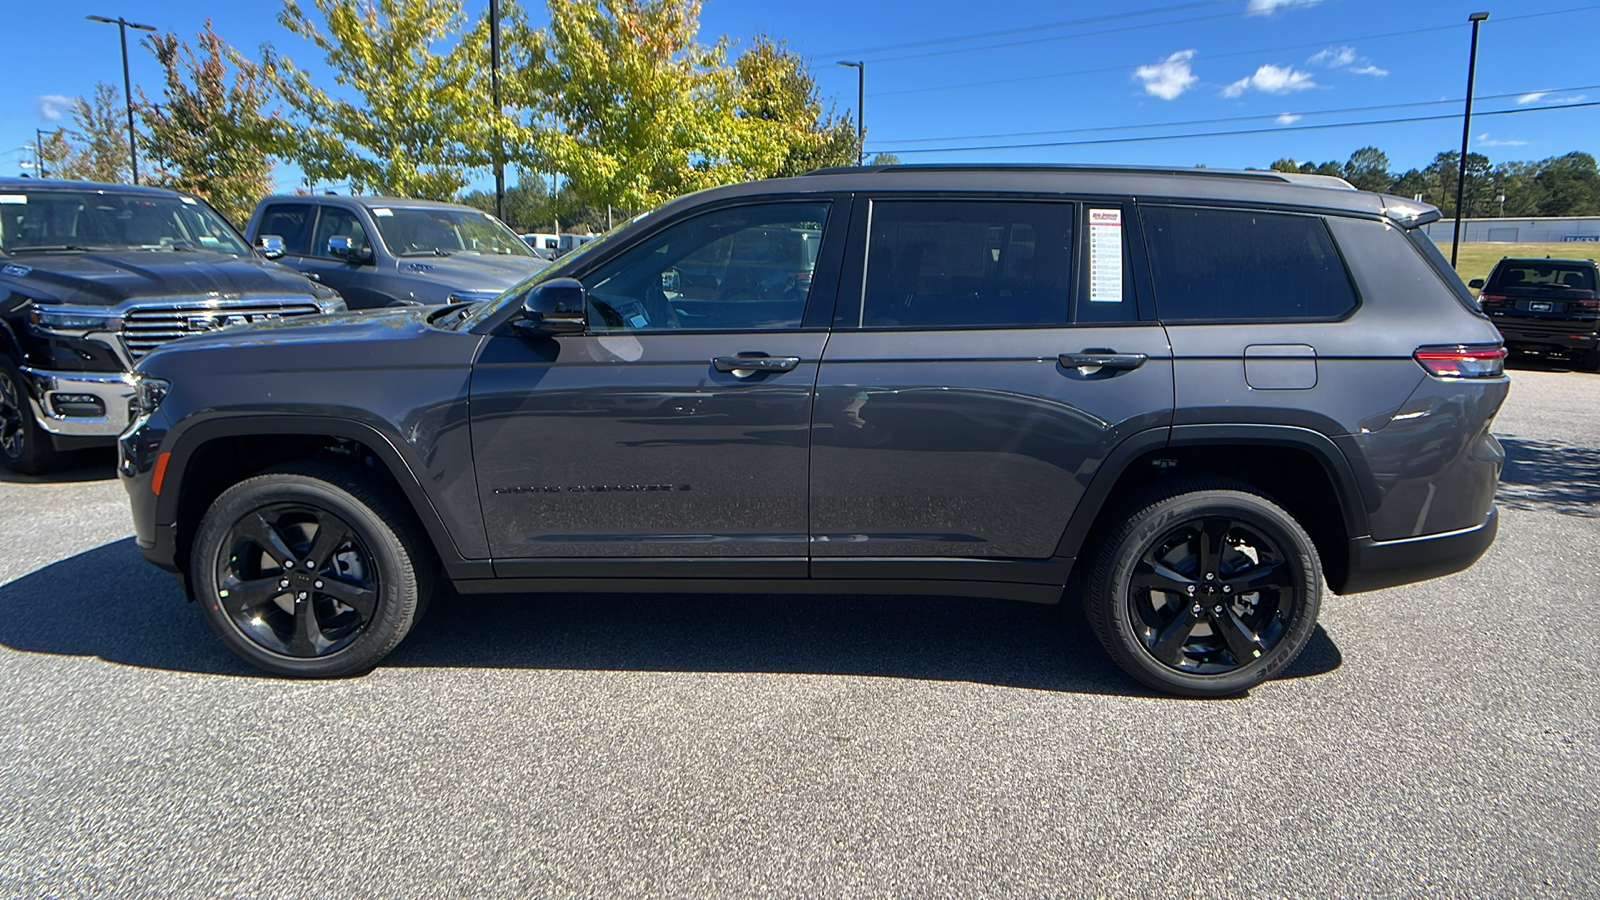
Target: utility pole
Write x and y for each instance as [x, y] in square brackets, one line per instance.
[1466, 134]
[494, 83]
[127, 84]
[38, 151]
[861, 108]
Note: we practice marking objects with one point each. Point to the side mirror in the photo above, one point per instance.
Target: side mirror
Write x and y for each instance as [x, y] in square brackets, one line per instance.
[343, 247]
[1476, 284]
[270, 245]
[557, 306]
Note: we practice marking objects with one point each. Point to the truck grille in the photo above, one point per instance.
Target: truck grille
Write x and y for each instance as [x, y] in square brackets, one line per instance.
[148, 326]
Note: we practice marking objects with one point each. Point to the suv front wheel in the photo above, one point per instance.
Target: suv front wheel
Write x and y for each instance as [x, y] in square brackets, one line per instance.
[1204, 589]
[310, 571]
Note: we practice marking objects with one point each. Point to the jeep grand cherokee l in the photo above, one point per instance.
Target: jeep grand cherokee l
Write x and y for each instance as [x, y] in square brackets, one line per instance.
[1546, 306]
[1210, 393]
[93, 277]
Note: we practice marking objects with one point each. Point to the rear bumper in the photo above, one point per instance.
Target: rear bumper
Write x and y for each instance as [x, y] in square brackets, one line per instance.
[1580, 337]
[1381, 564]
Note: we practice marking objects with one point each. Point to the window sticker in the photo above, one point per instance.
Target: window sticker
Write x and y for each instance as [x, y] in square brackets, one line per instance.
[13, 198]
[382, 211]
[1105, 256]
[190, 200]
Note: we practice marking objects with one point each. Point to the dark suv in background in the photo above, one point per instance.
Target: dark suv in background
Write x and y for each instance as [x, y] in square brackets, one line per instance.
[390, 251]
[1207, 392]
[1548, 307]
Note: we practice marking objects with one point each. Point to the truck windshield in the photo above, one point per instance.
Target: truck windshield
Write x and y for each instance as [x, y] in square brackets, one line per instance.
[422, 232]
[110, 220]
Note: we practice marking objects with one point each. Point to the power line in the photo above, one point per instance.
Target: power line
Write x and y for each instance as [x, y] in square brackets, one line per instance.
[1240, 131]
[1186, 21]
[1218, 121]
[1044, 26]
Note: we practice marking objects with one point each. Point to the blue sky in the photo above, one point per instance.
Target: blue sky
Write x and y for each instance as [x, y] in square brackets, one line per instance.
[942, 74]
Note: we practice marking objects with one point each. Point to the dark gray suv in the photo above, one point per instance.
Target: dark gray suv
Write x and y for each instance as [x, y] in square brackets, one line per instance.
[1206, 394]
[391, 251]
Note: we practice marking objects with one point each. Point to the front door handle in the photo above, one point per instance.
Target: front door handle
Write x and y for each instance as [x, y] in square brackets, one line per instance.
[1102, 359]
[749, 366]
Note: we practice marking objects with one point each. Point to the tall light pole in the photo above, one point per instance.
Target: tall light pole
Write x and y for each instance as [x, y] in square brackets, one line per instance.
[494, 86]
[861, 109]
[1466, 133]
[127, 83]
[38, 152]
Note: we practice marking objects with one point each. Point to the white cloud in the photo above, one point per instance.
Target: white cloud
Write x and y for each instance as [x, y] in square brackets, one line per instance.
[1170, 77]
[1485, 141]
[53, 106]
[1264, 7]
[1334, 57]
[1534, 97]
[1270, 79]
[1288, 118]
[1370, 69]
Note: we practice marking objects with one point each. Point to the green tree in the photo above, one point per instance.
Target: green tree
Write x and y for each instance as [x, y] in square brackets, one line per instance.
[1570, 186]
[628, 101]
[209, 135]
[883, 159]
[99, 143]
[1368, 170]
[786, 130]
[1442, 175]
[409, 119]
[53, 150]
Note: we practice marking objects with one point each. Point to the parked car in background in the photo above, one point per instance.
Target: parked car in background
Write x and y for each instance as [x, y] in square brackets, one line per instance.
[1547, 307]
[389, 251]
[95, 276]
[1207, 392]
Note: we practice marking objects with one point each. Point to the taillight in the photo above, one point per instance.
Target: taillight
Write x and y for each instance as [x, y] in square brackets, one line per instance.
[1493, 299]
[1462, 361]
[1583, 304]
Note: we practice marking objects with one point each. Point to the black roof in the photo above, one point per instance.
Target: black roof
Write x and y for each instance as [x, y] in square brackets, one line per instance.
[59, 184]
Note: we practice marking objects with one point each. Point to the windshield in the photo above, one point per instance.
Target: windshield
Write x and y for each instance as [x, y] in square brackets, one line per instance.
[423, 232]
[110, 220]
[486, 310]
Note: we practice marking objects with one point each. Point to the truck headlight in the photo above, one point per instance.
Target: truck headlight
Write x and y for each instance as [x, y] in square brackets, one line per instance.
[148, 392]
[327, 299]
[69, 323]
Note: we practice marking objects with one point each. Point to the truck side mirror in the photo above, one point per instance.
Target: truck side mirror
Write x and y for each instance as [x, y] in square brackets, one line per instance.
[343, 247]
[557, 306]
[270, 245]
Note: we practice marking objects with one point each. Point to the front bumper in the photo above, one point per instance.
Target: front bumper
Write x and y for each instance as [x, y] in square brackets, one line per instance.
[80, 404]
[1382, 564]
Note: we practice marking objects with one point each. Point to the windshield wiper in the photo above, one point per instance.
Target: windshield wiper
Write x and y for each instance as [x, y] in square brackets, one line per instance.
[46, 248]
[434, 252]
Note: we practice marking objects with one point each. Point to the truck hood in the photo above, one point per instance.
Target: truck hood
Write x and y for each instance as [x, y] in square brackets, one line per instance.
[472, 271]
[109, 277]
[328, 333]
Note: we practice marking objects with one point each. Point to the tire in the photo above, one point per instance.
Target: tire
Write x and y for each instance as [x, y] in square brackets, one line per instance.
[1588, 361]
[25, 448]
[1148, 594]
[294, 600]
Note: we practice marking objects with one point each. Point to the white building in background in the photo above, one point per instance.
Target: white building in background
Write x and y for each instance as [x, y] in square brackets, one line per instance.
[1574, 229]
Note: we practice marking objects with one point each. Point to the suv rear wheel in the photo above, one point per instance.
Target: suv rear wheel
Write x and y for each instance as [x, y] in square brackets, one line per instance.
[1205, 589]
[310, 571]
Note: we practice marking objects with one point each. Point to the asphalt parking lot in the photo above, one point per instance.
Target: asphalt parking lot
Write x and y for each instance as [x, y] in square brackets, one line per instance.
[1438, 739]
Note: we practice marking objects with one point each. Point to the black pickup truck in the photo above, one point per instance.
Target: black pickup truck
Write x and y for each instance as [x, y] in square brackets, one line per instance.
[95, 276]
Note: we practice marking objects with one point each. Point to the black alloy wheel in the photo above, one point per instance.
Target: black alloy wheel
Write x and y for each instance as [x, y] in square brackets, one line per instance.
[312, 570]
[1204, 588]
[12, 422]
[1211, 595]
[297, 581]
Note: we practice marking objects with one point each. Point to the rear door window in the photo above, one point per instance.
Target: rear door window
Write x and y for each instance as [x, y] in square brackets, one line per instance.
[968, 263]
[1234, 265]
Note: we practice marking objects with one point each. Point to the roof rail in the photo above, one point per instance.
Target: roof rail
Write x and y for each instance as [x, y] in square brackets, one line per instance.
[1056, 167]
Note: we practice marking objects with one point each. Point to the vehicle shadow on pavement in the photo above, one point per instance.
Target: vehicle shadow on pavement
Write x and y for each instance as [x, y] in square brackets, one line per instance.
[1550, 476]
[109, 603]
[99, 464]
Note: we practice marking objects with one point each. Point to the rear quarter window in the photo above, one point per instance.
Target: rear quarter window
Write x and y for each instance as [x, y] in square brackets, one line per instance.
[1232, 265]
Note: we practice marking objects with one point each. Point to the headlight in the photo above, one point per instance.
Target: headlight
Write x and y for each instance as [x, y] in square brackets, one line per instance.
[327, 299]
[69, 323]
[148, 392]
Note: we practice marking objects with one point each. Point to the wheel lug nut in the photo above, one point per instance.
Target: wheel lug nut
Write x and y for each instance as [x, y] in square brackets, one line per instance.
[318, 585]
[302, 596]
[1227, 589]
[289, 564]
[1217, 609]
[1191, 588]
[284, 583]
[1210, 576]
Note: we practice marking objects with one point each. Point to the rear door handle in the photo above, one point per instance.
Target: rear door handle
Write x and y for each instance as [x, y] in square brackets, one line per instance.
[1103, 359]
[747, 366]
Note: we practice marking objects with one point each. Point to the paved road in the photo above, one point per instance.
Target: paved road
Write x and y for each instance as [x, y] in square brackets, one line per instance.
[1438, 739]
